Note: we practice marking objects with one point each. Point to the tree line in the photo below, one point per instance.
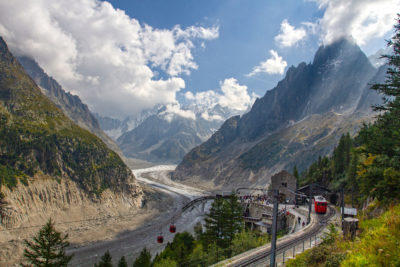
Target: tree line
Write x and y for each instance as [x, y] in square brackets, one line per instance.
[368, 165]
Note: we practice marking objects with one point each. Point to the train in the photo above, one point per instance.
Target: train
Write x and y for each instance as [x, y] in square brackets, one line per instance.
[320, 204]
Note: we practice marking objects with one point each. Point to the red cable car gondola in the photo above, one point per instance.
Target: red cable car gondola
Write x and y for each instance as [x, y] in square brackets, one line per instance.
[172, 228]
[160, 239]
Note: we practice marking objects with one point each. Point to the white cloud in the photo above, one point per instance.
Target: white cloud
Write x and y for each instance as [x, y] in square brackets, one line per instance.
[175, 109]
[100, 53]
[361, 19]
[234, 97]
[289, 36]
[274, 65]
[214, 117]
[204, 99]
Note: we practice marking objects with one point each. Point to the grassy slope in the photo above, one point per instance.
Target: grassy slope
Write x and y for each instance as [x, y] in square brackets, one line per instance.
[377, 245]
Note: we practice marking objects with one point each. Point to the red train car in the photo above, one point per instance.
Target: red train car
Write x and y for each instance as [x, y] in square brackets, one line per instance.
[320, 204]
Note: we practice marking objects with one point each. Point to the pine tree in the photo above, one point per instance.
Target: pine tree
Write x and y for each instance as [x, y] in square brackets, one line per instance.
[144, 259]
[379, 175]
[179, 250]
[47, 248]
[223, 221]
[339, 157]
[391, 88]
[214, 223]
[351, 176]
[232, 213]
[106, 260]
[348, 145]
[122, 262]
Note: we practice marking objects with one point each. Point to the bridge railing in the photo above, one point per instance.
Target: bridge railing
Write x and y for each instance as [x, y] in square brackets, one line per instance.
[194, 201]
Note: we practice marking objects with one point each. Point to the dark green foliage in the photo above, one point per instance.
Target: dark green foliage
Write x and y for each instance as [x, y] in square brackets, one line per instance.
[341, 155]
[179, 250]
[247, 240]
[351, 175]
[379, 175]
[214, 223]
[122, 262]
[144, 259]
[47, 248]
[233, 216]
[318, 172]
[198, 230]
[223, 221]
[9, 176]
[333, 172]
[391, 88]
[106, 260]
[223, 237]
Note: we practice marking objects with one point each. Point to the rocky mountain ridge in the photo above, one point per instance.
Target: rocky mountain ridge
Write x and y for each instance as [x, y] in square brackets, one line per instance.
[165, 141]
[38, 141]
[294, 123]
[161, 136]
[71, 105]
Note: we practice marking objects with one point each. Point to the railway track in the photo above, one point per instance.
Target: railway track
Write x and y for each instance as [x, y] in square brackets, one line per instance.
[286, 244]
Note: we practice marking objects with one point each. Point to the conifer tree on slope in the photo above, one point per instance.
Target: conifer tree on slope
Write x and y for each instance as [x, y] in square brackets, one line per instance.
[232, 213]
[122, 262]
[144, 259]
[379, 175]
[214, 223]
[47, 248]
[106, 260]
[223, 221]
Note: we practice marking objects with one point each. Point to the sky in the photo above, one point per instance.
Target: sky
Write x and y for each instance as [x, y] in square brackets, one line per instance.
[122, 57]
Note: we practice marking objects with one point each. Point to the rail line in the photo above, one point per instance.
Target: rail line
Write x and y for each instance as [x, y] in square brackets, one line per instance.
[284, 245]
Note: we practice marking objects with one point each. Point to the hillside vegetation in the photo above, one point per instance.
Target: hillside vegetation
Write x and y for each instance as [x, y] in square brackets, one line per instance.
[377, 245]
[368, 167]
[36, 137]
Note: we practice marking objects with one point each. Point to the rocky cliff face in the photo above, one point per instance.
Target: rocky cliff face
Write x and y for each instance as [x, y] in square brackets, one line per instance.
[37, 140]
[73, 210]
[294, 123]
[46, 198]
[71, 105]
